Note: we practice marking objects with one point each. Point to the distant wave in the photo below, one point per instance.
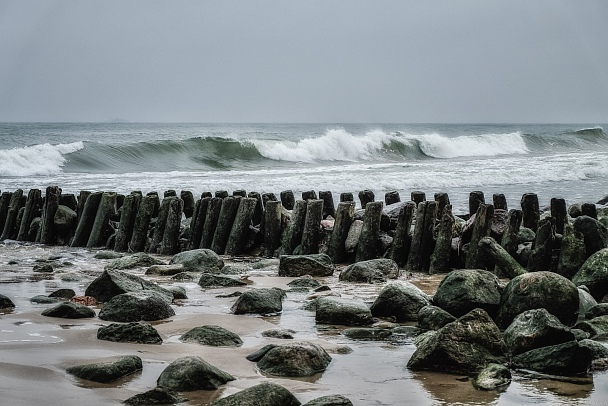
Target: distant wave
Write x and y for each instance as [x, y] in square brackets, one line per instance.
[591, 131]
[41, 159]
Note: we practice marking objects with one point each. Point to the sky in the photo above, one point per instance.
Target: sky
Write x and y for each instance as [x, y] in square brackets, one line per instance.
[406, 61]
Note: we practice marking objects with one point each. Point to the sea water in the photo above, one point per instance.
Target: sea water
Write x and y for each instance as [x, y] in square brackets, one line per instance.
[552, 160]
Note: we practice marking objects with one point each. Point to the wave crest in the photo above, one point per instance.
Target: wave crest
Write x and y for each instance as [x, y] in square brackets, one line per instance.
[41, 159]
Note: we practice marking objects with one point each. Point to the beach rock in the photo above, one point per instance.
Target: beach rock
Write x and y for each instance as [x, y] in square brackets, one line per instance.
[112, 283]
[565, 359]
[536, 290]
[69, 310]
[347, 312]
[65, 222]
[156, 396]
[492, 377]
[433, 318]
[200, 260]
[366, 333]
[66, 294]
[599, 354]
[466, 289]
[43, 299]
[352, 238]
[260, 301]
[165, 270]
[105, 372]
[137, 306]
[47, 268]
[525, 235]
[192, 373]
[600, 309]
[136, 260]
[294, 359]
[266, 393]
[179, 292]
[370, 271]
[185, 276]
[594, 274]
[572, 253]
[214, 336]
[401, 300]
[330, 400]
[464, 346]
[107, 255]
[305, 281]
[535, 329]
[6, 303]
[141, 333]
[594, 232]
[585, 301]
[598, 326]
[300, 265]
[208, 280]
[282, 333]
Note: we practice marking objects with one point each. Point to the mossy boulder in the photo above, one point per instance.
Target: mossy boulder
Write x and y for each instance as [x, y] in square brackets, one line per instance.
[401, 300]
[192, 373]
[69, 310]
[214, 336]
[141, 333]
[300, 265]
[200, 260]
[108, 371]
[137, 306]
[463, 290]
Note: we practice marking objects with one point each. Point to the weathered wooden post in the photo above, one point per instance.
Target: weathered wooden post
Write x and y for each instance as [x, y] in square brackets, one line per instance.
[101, 227]
[418, 197]
[258, 212]
[540, 256]
[482, 226]
[10, 225]
[559, 211]
[86, 220]
[344, 218]
[240, 228]
[69, 200]
[589, 209]
[501, 258]
[224, 223]
[141, 227]
[309, 195]
[32, 210]
[188, 199]
[127, 221]
[328, 204]
[154, 195]
[197, 223]
[347, 197]
[268, 197]
[312, 228]
[573, 252]
[170, 242]
[510, 240]
[442, 200]
[169, 193]
[500, 201]
[440, 259]
[421, 249]
[475, 199]
[159, 226]
[82, 199]
[367, 248]
[213, 213]
[222, 194]
[287, 199]
[366, 196]
[5, 200]
[206, 194]
[530, 210]
[47, 228]
[240, 192]
[272, 227]
[391, 197]
[402, 239]
[293, 234]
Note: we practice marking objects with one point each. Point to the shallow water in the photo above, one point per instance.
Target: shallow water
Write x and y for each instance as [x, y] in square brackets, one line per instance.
[37, 349]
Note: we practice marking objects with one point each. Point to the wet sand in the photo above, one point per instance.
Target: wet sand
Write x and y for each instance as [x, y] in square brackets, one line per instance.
[35, 350]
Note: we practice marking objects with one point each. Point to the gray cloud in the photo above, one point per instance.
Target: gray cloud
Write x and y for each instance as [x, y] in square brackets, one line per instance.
[314, 61]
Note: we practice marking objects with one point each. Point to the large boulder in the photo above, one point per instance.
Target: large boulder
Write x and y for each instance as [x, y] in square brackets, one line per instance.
[433, 318]
[598, 326]
[463, 290]
[69, 310]
[537, 290]
[137, 260]
[370, 271]
[141, 333]
[492, 377]
[265, 393]
[300, 265]
[535, 329]
[201, 260]
[112, 283]
[594, 274]
[401, 300]
[260, 301]
[347, 312]
[208, 280]
[294, 359]
[600, 309]
[214, 336]
[137, 306]
[462, 347]
[156, 396]
[192, 373]
[107, 371]
[585, 301]
[566, 359]
[6, 303]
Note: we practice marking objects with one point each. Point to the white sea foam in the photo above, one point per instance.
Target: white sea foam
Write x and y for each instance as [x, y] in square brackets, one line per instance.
[41, 159]
[438, 146]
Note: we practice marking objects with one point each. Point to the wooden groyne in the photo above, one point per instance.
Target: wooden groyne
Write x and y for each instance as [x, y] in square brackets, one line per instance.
[420, 235]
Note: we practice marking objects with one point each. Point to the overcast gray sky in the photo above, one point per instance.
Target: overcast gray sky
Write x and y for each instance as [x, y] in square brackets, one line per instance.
[304, 61]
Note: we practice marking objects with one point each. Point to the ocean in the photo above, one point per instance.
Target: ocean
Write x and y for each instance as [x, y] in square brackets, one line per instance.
[552, 160]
